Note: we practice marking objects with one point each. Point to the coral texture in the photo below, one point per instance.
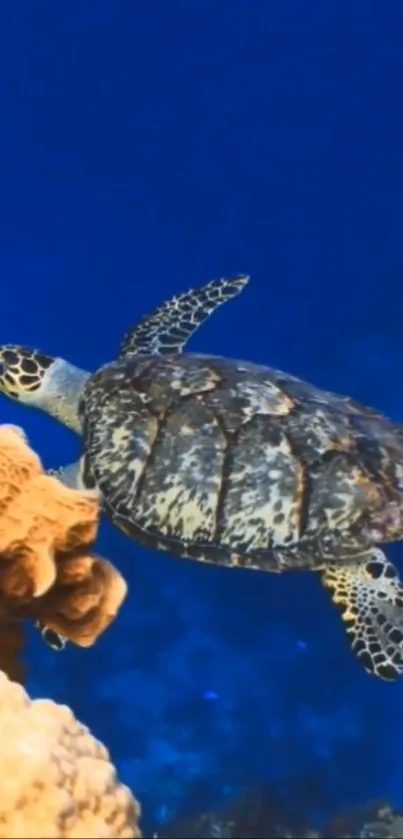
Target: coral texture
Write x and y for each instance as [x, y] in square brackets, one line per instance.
[56, 779]
[48, 572]
[260, 815]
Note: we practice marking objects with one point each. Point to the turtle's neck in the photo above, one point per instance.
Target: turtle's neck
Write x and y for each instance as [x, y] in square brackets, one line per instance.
[60, 393]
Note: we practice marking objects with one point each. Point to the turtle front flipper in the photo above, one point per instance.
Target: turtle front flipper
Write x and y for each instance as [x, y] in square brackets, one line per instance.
[370, 596]
[74, 475]
[70, 475]
[168, 328]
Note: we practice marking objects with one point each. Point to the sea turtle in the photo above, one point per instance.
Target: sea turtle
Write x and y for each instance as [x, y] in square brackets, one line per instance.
[235, 463]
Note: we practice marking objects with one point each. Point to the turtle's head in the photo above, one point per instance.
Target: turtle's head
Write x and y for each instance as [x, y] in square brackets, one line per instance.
[42, 381]
[22, 372]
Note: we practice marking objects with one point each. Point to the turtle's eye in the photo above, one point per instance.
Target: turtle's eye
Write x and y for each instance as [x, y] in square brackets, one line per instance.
[51, 638]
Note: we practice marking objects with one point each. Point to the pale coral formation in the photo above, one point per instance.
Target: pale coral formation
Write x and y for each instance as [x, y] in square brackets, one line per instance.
[57, 781]
[47, 569]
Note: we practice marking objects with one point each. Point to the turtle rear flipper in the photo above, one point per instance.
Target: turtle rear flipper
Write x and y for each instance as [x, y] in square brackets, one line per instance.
[370, 596]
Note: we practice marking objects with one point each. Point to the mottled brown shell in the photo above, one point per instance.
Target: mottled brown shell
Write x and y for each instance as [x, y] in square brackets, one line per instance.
[240, 464]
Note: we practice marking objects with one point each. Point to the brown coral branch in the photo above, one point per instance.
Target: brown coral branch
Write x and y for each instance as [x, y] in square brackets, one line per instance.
[83, 601]
[12, 642]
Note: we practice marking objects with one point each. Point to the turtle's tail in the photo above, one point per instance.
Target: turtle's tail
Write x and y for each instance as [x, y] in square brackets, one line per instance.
[370, 596]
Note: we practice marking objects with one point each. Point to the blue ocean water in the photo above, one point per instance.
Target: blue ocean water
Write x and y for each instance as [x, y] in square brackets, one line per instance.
[146, 148]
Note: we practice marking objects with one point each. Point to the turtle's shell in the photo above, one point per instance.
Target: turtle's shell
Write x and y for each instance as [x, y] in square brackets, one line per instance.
[240, 464]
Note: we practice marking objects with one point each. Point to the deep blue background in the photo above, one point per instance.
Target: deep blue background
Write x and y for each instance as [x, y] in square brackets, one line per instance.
[147, 147]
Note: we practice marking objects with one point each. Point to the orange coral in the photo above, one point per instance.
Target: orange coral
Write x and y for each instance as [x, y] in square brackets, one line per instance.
[84, 599]
[47, 571]
[57, 781]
